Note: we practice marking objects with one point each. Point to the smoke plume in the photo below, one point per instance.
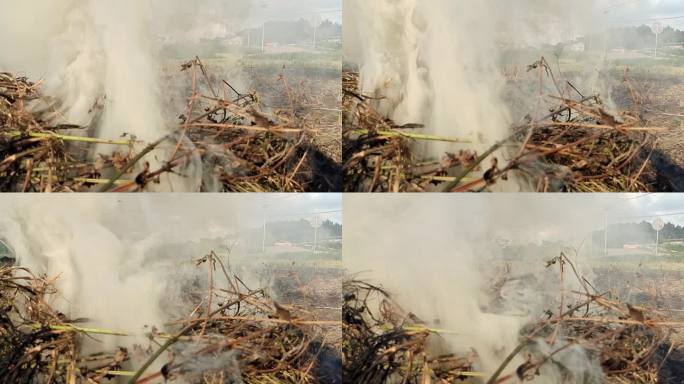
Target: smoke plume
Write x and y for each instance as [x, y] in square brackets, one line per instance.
[113, 257]
[436, 255]
[439, 62]
[100, 61]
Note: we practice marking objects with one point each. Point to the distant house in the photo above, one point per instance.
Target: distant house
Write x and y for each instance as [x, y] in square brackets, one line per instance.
[631, 246]
[576, 47]
[283, 244]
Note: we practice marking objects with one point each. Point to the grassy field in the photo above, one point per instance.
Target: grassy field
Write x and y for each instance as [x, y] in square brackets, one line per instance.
[670, 61]
[326, 62]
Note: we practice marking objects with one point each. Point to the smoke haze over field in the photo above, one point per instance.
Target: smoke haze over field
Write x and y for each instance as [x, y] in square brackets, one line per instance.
[429, 251]
[435, 61]
[105, 250]
[100, 62]
[440, 62]
[88, 49]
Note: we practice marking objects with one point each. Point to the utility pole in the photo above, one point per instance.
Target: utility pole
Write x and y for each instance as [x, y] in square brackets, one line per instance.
[658, 224]
[316, 222]
[657, 29]
[263, 34]
[263, 236]
[605, 236]
[315, 30]
[315, 239]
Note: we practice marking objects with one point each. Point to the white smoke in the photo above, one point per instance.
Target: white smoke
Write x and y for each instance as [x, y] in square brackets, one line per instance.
[437, 62]
[128, 262]
[105, 253]
[436, 254]
[92, 264]
[100, 61]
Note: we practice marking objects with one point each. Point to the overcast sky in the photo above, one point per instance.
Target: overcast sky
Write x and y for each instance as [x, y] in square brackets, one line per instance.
[195, 209]
[632, 207]
[619, 12]
[523, 216]
[669, 205]
[178, 215]
[638, 12]
[269, 10]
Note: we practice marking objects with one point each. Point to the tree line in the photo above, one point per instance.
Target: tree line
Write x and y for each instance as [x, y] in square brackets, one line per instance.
[642, 233]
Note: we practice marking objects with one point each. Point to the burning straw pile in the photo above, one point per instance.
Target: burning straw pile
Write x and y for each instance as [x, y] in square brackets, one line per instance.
[242, 149]
[627, 344]
[384, 344]
[578, 146]
[233, 335]
[36, 153]
[630, 343]
[248, 150]
[39, 344]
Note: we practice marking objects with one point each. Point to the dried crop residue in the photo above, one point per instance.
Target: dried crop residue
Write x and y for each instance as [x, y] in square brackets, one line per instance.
[578, 146]
[232, 333]
[589, 335]
[243, 145]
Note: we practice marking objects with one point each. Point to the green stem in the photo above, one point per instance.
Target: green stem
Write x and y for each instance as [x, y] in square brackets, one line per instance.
[131, 163]
[171, 341]
[70, 327]
[416, 136]
[100, 181]
[51, 135]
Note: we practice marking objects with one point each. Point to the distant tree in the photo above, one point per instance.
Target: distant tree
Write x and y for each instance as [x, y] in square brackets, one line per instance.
[298, 31]
[641, 37]
[643, 232]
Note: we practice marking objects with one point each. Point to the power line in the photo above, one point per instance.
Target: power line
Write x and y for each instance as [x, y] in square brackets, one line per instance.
[664, 18]
[640, 196]
[648, 216]
[649, 19]
[606, 9]
[312, 213]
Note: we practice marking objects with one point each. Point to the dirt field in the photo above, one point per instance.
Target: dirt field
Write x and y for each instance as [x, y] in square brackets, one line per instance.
[652, 284]
[662, 97]
[308, 87]
[315, 289]
[656, 288]
[631, 81]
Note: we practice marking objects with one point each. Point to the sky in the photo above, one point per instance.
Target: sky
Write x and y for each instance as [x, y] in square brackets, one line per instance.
[638, 12]
[269, 10]
[217, 18]
[632, 207]
[197, 209]
[201, 215]
[174, 215]
[668, 205]
[524, 216]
